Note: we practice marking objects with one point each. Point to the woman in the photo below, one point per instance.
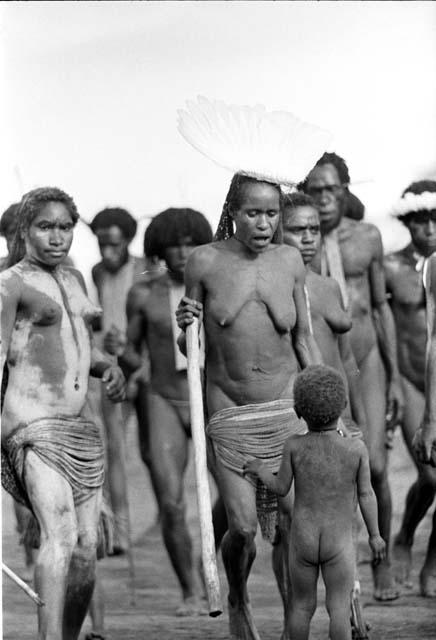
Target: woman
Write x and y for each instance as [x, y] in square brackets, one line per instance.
[250, 291]
[55, 453]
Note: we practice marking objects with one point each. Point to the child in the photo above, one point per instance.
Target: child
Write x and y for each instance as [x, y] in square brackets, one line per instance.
[329, 471]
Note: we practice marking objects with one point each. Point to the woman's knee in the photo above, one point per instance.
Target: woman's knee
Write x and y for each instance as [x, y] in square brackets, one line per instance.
[242, 533]
[172, 510]
[61, 538]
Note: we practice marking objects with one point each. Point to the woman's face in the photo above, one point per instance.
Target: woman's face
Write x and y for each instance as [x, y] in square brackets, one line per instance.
[50, 234]
[301, 230]
[258, 216]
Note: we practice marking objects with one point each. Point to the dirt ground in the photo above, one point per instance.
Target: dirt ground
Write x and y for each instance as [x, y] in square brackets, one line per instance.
[152, 617]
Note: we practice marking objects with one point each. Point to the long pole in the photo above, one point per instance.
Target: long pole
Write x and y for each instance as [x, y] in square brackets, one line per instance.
[208, 555]
[25, 587]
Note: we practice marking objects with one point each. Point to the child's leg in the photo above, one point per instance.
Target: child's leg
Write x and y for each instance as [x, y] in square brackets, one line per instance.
[338, 574]
[96, 611]
[304, 578]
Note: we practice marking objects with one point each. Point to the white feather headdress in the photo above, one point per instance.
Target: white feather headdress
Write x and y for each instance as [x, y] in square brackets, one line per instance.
[270, 145]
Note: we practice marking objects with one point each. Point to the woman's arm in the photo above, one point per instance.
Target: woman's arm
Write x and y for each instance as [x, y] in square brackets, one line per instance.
[10, 292]
[353, 378]
[305, 346]
[191, 305]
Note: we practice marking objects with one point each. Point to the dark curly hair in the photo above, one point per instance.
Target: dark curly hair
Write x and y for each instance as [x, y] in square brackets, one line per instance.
[319, 395]
[233, 201]
[30, 206]
[421, 186]
[115, 217]
[9, 220]
[353, 206]
[170, 226]
[298, 199]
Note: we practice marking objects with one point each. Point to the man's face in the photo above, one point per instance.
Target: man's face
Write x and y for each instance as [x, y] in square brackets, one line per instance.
[258, 216]
[113, 247]
[324, 186]
[301, 229]
[422, 227]
[176, 257]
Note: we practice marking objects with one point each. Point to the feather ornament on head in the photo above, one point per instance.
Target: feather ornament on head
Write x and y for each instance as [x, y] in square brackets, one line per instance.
[413, 202]
[274, 146]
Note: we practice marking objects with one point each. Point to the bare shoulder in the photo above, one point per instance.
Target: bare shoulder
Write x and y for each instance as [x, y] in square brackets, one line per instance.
[356, 447]
[396, 261]
[139, 293]
[11, 281]
[75, 274]
[201, 258]
[294, 442]
[291, 257]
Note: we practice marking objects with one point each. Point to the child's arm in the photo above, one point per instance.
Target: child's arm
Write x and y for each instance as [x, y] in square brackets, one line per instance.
[368, 506]
[281, 483]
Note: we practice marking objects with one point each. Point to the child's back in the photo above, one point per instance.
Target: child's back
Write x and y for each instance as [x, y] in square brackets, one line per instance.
[325, 467]
[331, 474]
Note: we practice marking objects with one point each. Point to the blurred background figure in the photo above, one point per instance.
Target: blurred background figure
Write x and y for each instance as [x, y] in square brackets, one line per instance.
[8, 226]
[352, 206]
[113, 276]
[165, 428]
[405, 284]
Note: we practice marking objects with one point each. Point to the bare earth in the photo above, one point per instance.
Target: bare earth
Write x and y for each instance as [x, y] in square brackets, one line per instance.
[151, 616]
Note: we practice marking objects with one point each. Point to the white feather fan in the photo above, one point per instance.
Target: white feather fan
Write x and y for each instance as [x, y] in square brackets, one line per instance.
[275, 146]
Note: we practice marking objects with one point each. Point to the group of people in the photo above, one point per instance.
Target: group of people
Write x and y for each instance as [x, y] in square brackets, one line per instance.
[314, 345]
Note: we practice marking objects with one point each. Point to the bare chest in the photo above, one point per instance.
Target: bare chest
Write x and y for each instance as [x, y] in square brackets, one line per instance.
[236, 285]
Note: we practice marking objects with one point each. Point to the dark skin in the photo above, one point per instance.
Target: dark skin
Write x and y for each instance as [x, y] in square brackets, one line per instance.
[149, 318]
[330, 322]
[328, 471]
[405, 285]
[257, 337]
[50, 355]
[113, 245]
[373, 341]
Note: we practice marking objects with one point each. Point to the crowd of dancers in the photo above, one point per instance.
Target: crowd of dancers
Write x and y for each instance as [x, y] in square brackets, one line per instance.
[315, 347]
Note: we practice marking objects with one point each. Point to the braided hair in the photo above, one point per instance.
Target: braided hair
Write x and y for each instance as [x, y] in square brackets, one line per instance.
[233, 201]
[30, 206]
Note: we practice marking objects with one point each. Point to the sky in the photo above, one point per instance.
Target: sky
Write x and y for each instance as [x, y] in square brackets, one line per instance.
[92, 91]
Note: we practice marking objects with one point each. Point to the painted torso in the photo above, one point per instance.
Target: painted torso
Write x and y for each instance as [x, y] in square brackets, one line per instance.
[49, 351]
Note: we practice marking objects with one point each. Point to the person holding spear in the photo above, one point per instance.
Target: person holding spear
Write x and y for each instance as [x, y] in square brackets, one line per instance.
[248, 291]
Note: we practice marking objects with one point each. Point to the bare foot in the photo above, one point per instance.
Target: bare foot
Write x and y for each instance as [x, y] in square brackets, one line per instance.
[384, 584]
[402, 554]
[241, 622]
[427, 582]
[192, 606]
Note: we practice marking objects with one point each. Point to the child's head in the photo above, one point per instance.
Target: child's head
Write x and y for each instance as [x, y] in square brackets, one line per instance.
[319, 396]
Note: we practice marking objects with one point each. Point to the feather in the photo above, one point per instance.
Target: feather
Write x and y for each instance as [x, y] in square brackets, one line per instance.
[271, 145]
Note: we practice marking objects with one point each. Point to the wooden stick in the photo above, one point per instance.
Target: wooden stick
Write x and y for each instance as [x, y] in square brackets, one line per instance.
[25, 587]
[201, 474]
